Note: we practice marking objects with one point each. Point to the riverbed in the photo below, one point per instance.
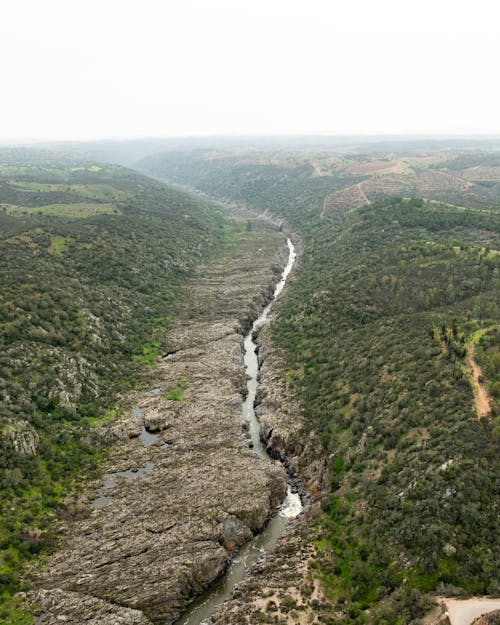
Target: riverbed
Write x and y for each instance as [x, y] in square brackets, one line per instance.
[262, 543]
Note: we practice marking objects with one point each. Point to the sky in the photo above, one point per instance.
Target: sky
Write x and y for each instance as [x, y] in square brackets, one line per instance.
[90, 69]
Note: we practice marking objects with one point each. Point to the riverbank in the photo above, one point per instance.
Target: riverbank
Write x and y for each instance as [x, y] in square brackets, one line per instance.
[160, 538]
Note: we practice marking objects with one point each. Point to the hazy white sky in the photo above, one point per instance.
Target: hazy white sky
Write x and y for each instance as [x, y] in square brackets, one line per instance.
[122, 68]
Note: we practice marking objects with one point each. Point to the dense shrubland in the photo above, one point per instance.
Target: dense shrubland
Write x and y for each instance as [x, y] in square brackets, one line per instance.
[374, 333]
[372, 337]
[487, 354]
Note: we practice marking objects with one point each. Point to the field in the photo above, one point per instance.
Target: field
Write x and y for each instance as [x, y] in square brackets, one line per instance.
[59, 191]
[105, 192]
[76, 210]
[345, 199]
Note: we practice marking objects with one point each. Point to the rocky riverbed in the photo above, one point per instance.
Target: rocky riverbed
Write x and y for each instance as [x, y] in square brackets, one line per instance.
[198, 491]
[282, 587]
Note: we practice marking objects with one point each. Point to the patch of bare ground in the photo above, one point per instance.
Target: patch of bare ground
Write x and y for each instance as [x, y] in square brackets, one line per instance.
[473, 611]
[318, 170]
[481, 399]
[374, 166]
[425, 158]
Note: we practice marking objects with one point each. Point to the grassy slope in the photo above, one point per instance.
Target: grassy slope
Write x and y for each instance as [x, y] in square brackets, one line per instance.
[85, 302]
[373, 332]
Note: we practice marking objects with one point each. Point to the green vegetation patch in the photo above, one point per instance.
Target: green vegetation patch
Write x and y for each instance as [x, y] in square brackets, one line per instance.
[176, 393]
[376, 323]
[77, 210]
[149, 354]
[58, 244]
[14, 611]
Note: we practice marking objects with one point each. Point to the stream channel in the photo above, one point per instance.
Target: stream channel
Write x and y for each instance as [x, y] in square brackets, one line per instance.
[203, 607]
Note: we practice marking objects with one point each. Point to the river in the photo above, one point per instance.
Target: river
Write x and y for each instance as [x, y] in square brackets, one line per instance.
[203, 607]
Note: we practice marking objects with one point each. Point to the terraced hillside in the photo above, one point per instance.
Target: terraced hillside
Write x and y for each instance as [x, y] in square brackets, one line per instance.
[326, 180]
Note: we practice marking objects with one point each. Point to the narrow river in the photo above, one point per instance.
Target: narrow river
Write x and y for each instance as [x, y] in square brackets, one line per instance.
[201, 609]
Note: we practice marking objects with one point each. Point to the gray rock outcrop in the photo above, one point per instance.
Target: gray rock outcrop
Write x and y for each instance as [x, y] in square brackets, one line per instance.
[21, 437]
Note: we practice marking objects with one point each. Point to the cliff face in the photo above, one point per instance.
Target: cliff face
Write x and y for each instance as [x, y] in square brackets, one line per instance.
[182, 488]
[282, 425]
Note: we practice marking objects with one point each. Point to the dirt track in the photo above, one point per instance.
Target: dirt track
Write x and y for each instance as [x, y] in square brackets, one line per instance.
[481, 398]
[465, 612]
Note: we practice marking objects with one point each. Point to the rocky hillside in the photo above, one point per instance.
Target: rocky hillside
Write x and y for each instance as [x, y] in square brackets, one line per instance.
[94, 260]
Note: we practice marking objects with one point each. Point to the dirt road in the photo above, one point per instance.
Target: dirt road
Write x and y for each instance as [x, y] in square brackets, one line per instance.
[465, 612]
[481, 398]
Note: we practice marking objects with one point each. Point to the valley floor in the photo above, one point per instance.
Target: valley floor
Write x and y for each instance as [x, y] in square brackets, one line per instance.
[183, 489]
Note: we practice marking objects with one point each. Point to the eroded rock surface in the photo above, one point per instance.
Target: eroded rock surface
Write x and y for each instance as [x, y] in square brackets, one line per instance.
[493, 618]
[282, 587]
[59, 606]
[161, 538]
